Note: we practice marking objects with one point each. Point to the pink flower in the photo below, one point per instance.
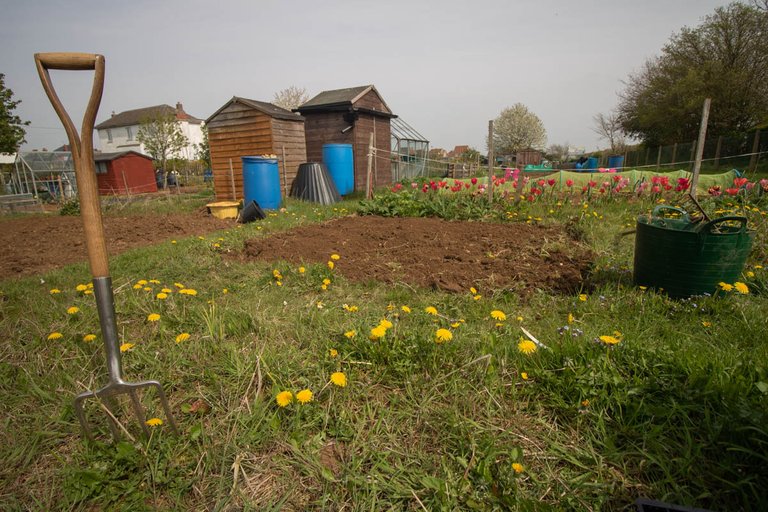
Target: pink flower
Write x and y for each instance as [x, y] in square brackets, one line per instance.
[551, 182]
[474, 181]
[655, 189]
[714, 191]
[569, 182]
[764, 184]
[732, 191]
[541, 182]
[414, 185]
[592, 184]
[740, 182]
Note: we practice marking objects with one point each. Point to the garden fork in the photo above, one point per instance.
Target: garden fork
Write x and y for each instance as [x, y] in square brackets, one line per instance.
[82, 155]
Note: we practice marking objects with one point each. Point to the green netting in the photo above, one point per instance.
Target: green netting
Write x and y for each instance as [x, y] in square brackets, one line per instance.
[581, 179]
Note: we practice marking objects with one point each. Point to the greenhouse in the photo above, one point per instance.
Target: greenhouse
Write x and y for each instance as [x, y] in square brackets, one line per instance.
[409, 151]
[49, 174]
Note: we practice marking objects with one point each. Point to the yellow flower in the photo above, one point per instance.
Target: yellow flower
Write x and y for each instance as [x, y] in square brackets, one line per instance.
[279, 283]
[331, 264]
[750, 273]
[284, 398]
[335, 257]
[81, 287]
[339, 379]
[350, 334]
[89, 338]
[73, 310]
[524, 376]
[725, 286]
[154, 422]
[385, 323]
[179, 285]
[142, 282]
[88, 292]
[276, 274]
[333, 352]
[302, 270]
[378, 332]
[216, 245]
[188, 291]
[349, 308]
[477, 297]
[54, 291]
[153, 317]
[304, 396]
[609, 340]
[517, 467]
[443, 335]
[162, 296]
[583, 297]
[147, 289]
[455, 324]
[182, 337]
[55, 336]
[430, 310]
[570, 318]
[225, 291]
[125, 347]
[706, 323]
[173, 241]
[326, 281]
[324, 287]
[526, 347]
[405, 309]
[519, 319]
[741, 287]
[473, 290]
[154, 281]
[137, 286]
[498, 315]
[585, 403]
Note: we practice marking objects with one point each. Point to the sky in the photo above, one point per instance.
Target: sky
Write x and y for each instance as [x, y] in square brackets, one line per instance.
[445, 67]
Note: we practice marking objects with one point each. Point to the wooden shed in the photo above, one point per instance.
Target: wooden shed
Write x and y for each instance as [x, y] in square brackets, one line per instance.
[124, 172]
[349, 116]
[244, 127]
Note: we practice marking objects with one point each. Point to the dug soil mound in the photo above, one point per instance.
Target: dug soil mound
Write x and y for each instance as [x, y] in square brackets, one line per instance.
[32, 245]
[434, 253]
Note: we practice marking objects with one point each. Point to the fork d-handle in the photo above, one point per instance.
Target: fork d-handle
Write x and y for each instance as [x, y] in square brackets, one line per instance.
[82, 146]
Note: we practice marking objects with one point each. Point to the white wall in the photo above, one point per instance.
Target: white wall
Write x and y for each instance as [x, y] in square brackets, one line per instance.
[121, 141]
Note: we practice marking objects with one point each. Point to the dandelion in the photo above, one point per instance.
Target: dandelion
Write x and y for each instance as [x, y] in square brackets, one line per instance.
[188, 291]
[162, 296]
[147, 289]
[339, 379]
[73, 310]
[335, 257]
[749, 274]
[173, 241]
[477, 297]
[55, 336]
[182, 337]
[326, 281]
[324, 287]
[331, 264]
[349, 308]
[405, 309]
[378, 332]
[89, 338]
[610, 340]
[137, 286]
[54, 291]
[585, 403]
[385, 323]
[570, 318]
[455, 324]
[498, 315]
[153, 317]
[473, 290]
[725, 286]
[125, 347]
[142, 282]
[179, 285]
[225, 291]
[279, 283]
[304, 396]
[583, 297]
[154, 422]
[705, 323]
[154, 281]
[519, 319]
[333, 352]
[517, 467]
[284, 398]
[276, 274]
[741, 287]
[524, 375]
[302, 270]
[430, 310]
[350, 334]
[443, 335]
[81, 287]
[526, 347]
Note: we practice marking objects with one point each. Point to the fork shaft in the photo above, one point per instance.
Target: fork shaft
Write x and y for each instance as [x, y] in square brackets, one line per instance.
[105, 303]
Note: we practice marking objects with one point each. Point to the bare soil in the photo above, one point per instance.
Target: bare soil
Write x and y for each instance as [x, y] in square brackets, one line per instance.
[31, 245]
[434, 253]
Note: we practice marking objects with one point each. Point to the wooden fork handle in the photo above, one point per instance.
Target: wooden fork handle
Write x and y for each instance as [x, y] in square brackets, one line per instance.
[82, 146]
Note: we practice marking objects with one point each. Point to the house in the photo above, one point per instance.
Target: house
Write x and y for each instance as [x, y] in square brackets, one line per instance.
[124, 172]
[244, 127]
[350, 116]
[458, 151]
[119, 132]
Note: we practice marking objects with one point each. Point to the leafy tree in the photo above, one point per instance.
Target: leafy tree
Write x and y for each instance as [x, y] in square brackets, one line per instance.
[162, 138]
[12, 132]
[558, 152]
[725, 58]
[291, 97]
[517, 128]
[470, 155]
[609, 128]
[203, 149]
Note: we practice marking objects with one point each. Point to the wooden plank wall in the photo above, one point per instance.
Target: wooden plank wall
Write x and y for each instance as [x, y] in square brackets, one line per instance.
[382, 168]
[236, 131]
[289, 135]
[325, 128]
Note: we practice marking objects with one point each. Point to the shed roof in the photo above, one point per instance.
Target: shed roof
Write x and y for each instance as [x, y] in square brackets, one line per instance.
[341, 97]
[136, 116]
[262, 106]
[105, 157]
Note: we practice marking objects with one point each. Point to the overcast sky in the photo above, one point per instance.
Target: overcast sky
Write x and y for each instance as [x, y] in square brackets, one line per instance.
[445, 67]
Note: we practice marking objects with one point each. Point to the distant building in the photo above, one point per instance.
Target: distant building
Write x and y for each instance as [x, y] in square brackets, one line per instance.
[119, 132]
[458, 151]
[125, 172]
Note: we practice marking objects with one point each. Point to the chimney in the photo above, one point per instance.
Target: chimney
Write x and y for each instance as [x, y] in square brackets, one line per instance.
[113, 113]
[179, 107]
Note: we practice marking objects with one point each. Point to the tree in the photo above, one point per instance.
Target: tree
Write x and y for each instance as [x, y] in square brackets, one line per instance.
[470, 155]
[517, 128]
[291, 97]
[162, 138]
[558, 152]
[609, 128]
[12, 132]
[725, 58]
[203, 150]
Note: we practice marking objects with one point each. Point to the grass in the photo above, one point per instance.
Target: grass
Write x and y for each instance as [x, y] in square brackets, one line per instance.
[676, 411]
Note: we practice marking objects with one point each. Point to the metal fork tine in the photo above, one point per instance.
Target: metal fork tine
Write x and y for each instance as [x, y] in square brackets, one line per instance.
[109, 403]
[164, 403]
[81, 414]
[139, 411]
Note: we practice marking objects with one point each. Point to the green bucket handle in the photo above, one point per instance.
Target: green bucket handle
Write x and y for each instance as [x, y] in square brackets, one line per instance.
[707, 228]
[658, 209]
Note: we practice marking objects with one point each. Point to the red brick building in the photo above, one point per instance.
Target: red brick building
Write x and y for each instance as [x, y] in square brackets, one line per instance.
[125, 172]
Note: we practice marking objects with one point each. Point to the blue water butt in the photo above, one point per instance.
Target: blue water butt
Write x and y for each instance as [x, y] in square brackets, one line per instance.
[616, 162]
[591, 163]
[340, 163]
[261, 182]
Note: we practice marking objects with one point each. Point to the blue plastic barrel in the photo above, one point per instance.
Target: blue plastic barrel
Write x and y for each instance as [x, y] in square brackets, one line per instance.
[615, 162]
[591, 163]
[261, 182]
[340, 163]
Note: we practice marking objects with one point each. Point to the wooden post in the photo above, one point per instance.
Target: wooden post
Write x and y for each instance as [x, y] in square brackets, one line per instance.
[232, 180]
[700, 145]
[368, 184]
[61, 190]
[755, 147]
[490, 160]
[125, 183]
[285, 175]
[674, 154]
[717, 151]
[658, 159]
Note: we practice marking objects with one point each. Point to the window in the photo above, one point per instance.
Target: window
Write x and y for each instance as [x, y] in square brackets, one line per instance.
[129, 132]
[101, 167]
[109, 135]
